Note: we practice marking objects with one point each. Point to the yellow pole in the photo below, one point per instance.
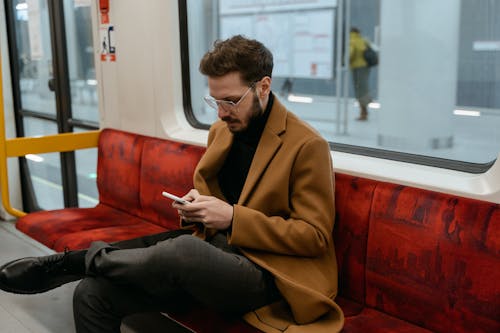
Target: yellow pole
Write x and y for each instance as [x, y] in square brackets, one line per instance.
[4, 174]
[51, 143]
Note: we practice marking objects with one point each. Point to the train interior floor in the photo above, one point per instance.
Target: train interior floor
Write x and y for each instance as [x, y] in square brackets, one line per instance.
[52, 312]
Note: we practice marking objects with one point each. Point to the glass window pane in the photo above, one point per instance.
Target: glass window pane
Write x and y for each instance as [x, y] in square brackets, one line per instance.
[434, 92]
[44, 169]
[38, 127]
[86, 162]
[81, 65]
[45, 174]
[32, 28]
[86, 173]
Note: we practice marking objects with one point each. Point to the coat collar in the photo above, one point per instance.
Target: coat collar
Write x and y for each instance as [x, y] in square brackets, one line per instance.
[269, 143]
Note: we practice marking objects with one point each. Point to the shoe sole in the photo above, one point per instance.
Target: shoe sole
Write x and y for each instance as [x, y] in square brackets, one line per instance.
[38, 291]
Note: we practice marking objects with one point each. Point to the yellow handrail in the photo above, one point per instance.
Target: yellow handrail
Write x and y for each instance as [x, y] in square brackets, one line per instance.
[51, 143]
[34, 145]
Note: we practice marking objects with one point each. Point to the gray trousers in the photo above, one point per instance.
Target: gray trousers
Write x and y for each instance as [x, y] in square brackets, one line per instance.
[166, 272]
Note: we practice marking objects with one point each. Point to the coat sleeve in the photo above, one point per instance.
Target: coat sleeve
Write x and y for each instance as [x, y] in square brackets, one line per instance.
[306, 228]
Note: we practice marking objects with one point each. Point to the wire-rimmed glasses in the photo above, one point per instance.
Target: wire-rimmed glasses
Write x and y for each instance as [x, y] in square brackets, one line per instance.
[228, 106]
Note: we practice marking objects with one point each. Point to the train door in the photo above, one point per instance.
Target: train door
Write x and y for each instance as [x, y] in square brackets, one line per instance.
[55, 91]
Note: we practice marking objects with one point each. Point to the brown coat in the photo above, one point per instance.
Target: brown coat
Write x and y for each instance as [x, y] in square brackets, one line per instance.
[283, 220]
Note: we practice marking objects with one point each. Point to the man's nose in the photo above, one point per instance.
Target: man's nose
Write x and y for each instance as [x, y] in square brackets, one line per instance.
[221, 112]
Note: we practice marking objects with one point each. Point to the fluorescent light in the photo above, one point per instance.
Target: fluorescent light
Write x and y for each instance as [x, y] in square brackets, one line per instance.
[486, 45]
[91, 82]
[374, 105]
[34, 158]
[22, 6]
[299, 99]
[470, 113]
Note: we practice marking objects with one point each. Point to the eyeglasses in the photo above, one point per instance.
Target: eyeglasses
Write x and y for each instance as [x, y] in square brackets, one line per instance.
[228, 106]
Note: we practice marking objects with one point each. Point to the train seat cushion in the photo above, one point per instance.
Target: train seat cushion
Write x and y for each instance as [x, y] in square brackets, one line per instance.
[373, 321]
[110, 234]
[76, 228]
[434, 259]
[198, 318]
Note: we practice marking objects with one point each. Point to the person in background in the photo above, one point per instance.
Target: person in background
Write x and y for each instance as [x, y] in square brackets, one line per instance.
[256, 238]
[360, 72]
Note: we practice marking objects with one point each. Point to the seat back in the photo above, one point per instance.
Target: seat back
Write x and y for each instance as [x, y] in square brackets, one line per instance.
[433, 259]
[118, 169]
[134, 169]
[165, 166]
[353, 198]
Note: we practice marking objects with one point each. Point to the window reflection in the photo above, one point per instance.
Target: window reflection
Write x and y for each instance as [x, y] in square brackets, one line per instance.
[45, 170]
[35, 55]
[434, 92]
[82, 75]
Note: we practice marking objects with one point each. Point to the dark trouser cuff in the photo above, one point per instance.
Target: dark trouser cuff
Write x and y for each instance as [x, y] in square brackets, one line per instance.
[93, 251]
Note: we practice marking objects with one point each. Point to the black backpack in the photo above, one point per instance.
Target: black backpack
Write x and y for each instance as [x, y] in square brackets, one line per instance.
[371, 57]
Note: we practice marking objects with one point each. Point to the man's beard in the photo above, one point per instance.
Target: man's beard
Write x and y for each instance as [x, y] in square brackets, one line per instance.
[257, 112]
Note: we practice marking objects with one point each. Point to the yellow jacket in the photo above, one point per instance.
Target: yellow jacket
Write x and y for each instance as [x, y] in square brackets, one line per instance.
[357, 45]
[283, 220]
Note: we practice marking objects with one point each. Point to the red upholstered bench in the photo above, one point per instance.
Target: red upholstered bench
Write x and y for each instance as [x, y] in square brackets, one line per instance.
[410, 260]
[132, 171]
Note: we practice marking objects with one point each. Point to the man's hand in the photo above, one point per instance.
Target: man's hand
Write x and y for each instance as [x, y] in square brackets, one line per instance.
[212, 212]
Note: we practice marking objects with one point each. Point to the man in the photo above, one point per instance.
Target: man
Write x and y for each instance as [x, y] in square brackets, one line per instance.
[261, 217]
[360, 72]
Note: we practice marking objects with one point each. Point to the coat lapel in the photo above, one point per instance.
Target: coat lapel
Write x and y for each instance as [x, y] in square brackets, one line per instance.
[269, 144]
[211, 163]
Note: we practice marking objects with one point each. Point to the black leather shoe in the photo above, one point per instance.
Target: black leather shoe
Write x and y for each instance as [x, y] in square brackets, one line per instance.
[34, 275]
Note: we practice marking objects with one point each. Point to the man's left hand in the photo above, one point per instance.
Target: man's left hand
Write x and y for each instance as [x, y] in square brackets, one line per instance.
[211, 211]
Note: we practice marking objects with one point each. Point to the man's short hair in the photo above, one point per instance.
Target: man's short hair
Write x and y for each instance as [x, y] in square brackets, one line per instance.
[249, 57]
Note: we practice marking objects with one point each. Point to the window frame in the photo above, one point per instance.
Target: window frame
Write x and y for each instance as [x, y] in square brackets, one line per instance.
[438, 162]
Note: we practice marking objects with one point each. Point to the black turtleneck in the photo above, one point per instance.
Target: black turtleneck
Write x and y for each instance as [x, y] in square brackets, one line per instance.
[234, 172]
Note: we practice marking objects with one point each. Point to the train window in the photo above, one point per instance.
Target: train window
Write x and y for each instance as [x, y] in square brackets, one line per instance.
[86, 159]
[433, 97]
[82, 76]
[44, 169]
[52, 57]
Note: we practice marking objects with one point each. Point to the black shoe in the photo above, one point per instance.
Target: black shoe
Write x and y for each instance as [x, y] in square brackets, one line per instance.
[34, 275]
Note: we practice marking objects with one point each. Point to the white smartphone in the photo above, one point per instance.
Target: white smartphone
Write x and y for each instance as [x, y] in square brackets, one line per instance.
[175, 198]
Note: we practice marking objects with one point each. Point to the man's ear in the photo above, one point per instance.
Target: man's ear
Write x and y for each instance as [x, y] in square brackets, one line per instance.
[265, 86]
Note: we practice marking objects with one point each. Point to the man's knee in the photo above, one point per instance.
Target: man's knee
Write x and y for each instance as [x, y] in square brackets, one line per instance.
[181, 255]
[186, 244]
[88, 293]
[94, 306]
[180, 248]
[81, 293]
